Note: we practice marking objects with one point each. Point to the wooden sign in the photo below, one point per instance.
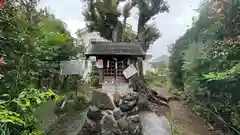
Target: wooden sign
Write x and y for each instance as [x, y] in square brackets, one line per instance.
[71, 67]
[100, 63]
[129, 71]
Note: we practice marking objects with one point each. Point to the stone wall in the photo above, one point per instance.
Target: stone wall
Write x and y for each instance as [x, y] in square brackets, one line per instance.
[113, 116]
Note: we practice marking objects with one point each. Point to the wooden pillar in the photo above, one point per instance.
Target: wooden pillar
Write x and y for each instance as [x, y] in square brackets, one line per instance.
[134, 62]
[100, 72]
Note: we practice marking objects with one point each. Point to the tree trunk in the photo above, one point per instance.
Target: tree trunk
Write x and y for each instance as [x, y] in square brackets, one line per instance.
[115, 33]
[123, 28]
[141, 24]
[140, 66]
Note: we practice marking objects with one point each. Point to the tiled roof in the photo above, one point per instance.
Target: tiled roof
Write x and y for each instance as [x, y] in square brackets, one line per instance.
[115, 48]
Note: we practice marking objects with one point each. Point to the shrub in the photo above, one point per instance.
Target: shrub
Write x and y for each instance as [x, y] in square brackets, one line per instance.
[16, 115]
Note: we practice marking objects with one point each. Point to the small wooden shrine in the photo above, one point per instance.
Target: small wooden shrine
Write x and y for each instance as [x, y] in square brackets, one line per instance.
[113, 57]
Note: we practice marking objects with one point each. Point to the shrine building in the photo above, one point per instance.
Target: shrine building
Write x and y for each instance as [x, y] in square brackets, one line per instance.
[113, 57]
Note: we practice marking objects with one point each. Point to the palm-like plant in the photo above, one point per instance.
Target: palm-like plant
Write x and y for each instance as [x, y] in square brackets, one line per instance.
[102, 16]
[147, 10]
[150, 34]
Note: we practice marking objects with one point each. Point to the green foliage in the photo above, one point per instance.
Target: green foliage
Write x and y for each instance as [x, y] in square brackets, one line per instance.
[32, 43]
[31, 98]
[204, 64]
[159, 76]
[149, 76]
[102, 16]
[8, 116]
[18, 113]
[80, 103]
[4, 130]
[94, 79]
[162, 68]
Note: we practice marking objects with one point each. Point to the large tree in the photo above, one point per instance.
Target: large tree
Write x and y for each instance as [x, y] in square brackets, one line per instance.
[103, 16]
[32, 43]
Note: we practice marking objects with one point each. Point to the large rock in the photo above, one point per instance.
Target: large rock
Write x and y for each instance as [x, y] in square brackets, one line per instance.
[116, 98]
[90, 128]
[143, 102]
[94, 113]
[128, 106]
[134, 118]
[134, 111]
[117, 114]
[123, 124]
[109, 125]
[135, 128]
[130, 97]
[102, 100]
[152, 124]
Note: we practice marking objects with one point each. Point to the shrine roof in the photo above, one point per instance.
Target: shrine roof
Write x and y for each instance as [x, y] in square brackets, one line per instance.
[115, 48]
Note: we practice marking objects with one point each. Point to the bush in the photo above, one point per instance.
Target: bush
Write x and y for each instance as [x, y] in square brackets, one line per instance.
[16, 115]
[4, 130]
[94, 80]
[204, 65]
[80, 103]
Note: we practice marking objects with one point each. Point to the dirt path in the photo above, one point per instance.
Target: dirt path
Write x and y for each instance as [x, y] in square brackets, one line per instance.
[184, 121]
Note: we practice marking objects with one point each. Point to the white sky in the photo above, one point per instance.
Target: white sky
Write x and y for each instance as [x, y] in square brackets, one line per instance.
[172, 25]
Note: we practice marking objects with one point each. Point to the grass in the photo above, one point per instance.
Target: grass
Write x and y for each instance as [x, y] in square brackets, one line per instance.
[176, 128]
[45, 114]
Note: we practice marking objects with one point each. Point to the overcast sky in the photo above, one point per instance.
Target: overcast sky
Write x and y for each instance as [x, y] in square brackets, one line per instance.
[172, 24]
